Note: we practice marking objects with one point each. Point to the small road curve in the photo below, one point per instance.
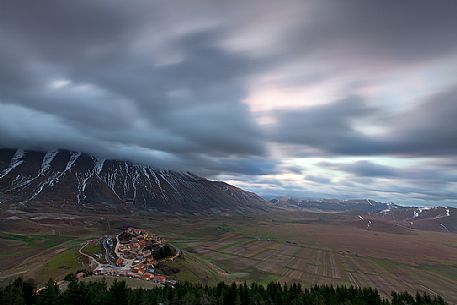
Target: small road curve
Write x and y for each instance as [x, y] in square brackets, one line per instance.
[93, 260]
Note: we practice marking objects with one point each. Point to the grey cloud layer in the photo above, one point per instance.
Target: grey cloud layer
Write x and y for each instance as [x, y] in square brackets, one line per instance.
[119, 95]
[426, 180]
[429, 129]
[164, 82]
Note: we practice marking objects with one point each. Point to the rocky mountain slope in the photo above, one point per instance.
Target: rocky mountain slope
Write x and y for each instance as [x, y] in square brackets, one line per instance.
[72, 178]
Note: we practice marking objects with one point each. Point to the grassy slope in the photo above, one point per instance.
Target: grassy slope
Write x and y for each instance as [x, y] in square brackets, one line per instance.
[38, 256]
[59, 265]
[35, 241]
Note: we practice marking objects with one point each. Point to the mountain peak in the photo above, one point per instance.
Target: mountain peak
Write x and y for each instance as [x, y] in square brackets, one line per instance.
[79, 179]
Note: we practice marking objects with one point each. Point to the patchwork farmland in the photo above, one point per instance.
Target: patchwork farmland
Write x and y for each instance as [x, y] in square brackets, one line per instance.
[326, 254]
[251, 259]
[309, 249]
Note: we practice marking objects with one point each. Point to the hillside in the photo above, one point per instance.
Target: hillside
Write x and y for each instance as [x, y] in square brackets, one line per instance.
[77, 179]
[332, 205]
[374, 215]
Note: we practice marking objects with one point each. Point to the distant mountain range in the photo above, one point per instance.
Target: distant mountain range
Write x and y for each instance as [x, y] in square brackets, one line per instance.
[63, 179]
[76, 179]
[333, 205]
[375, 215]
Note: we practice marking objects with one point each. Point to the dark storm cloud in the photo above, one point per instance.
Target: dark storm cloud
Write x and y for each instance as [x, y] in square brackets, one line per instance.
[110, 92]
[166, 82]
[387, 30]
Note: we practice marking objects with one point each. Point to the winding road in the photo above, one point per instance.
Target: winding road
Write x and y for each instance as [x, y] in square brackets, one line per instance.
[93, 260]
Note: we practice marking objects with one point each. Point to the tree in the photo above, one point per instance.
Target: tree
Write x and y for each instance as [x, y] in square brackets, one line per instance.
[117, 293]
[76, 294]
[50, 295]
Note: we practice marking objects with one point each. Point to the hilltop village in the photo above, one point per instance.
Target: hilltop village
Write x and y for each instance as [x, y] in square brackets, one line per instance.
[134, 253]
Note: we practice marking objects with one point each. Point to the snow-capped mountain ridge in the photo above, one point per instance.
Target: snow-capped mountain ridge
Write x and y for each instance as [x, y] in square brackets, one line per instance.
[335, 205]
[77, 178]
[370, 214]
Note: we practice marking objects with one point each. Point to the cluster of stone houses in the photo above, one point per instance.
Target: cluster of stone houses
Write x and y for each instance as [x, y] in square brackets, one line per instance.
[138, 245]
[135, 251]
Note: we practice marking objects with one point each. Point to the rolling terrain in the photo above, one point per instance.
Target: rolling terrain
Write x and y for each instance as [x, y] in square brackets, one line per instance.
[286, 246]
[332, 205]
[380, 216]
[54, 202]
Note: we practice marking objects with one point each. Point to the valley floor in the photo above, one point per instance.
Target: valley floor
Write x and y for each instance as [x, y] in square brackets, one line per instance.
[309, 248]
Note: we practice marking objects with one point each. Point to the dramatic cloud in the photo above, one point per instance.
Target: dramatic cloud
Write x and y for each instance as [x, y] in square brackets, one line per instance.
[428, 129]
[308, 98]
[327, 127]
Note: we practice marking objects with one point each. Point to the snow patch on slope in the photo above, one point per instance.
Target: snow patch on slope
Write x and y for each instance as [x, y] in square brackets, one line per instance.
[447, 213]
[420, 210]
[444, 227]
[385, 211]
[47, 160]
[16, 160]
[54, 178]
[156, 179]
[83, 178]
[71, 162]
[99, 166]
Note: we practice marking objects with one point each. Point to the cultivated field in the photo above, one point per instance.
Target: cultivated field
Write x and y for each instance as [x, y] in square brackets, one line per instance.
[306, 248]
[328, 254]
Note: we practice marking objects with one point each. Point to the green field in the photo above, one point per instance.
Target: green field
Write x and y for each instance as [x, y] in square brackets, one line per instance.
[68, 261]
[261, 249]
[95, 249]
[38, 256]
[35, 241]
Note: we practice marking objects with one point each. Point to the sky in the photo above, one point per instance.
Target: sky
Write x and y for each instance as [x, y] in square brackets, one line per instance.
[309, 98]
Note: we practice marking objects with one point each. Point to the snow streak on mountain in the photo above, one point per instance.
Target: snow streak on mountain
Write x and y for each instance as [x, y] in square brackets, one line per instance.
[64, 177]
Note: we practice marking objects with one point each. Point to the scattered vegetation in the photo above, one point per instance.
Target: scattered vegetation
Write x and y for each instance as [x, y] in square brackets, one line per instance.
[22, 292]
[93, 249]
[223, 228]
[163, 252]
[60, 264]
[35, 241]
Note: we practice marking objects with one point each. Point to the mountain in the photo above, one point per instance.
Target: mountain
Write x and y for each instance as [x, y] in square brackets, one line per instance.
[333, 205]
[76, 179]
[378, 216]
[425, 218]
